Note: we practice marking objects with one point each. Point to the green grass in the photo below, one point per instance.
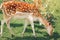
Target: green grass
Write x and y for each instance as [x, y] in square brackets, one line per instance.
[17, 27]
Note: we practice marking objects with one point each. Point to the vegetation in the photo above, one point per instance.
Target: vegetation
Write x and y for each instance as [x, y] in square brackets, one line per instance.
[17, 25]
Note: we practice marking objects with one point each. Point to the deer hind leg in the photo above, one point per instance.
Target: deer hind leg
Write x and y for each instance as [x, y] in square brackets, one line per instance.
[25, 26]
[32, 24]
[8, 25]
[2, 23]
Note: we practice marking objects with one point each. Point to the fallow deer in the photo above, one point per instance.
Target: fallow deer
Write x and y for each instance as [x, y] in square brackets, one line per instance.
[23, 10]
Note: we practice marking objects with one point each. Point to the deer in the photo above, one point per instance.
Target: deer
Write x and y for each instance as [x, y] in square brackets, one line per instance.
[23, 10]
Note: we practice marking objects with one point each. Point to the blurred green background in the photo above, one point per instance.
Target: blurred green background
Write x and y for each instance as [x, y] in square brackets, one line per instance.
[17, 25]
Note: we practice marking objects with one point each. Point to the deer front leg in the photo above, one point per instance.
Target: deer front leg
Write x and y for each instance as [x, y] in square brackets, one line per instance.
[25, 25]
[2, 23]
[32, 24]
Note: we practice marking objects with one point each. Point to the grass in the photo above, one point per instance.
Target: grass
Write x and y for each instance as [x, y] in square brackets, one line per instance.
[17, 27]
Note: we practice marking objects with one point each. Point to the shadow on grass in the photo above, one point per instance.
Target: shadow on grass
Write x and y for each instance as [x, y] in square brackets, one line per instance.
[55, 36]
[1, 12]
[29, 38]
[16, 25]
[19, 25]
[30, 31]
[46, 37]
[38, 26]
[25, 38]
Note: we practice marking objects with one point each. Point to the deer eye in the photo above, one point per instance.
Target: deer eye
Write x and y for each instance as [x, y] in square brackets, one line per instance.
[49, 23]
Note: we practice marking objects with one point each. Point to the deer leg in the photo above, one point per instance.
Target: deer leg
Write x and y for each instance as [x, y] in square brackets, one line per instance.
[32, 24]
[2, 23]
[8, 26]
[25, 25]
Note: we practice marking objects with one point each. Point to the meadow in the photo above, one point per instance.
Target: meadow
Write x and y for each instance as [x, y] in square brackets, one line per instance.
[18, 25]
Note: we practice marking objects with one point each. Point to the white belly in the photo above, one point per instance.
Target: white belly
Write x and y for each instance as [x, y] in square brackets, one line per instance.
[22, 15]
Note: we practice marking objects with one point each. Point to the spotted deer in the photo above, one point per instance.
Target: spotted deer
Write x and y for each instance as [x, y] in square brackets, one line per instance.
[22, 10]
